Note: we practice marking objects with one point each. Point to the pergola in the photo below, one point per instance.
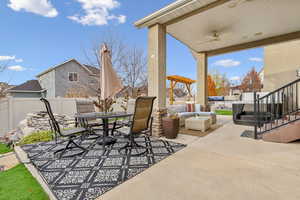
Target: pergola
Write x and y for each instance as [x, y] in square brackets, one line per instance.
[174, 79]
[213, 27]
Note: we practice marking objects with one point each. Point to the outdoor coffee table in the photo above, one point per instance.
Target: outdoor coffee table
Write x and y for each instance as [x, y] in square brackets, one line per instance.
[105, 116]
[198, 123]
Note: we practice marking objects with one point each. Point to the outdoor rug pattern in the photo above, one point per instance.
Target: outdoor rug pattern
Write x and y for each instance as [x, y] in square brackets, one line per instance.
[98, 170]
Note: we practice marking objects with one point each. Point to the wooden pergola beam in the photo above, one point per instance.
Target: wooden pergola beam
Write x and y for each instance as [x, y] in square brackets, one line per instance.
[174, 79]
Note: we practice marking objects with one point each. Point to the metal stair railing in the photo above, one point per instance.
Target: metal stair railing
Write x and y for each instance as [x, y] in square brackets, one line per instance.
[278, 108]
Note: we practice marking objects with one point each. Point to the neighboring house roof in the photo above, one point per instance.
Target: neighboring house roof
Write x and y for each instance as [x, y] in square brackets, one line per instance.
[94, 70]
[91, 70]
[29, 86]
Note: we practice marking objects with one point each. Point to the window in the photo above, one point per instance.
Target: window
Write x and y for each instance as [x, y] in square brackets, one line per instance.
[73, 76]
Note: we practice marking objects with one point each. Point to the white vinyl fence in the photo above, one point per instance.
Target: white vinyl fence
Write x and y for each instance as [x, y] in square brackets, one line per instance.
[14, 110]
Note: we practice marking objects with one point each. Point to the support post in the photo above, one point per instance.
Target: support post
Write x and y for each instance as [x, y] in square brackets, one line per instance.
[157, 73]
[202, 85]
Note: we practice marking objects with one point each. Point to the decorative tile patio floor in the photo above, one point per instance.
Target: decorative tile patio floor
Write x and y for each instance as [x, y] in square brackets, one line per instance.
[96, 171]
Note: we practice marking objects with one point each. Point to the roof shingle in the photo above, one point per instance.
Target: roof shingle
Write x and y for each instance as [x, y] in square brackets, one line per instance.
[32, 85]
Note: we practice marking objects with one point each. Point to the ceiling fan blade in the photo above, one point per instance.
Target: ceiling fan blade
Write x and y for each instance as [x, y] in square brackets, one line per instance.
[209, 41]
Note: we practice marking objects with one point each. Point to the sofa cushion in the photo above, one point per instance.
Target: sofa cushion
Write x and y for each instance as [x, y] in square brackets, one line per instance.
[186, 114]
[177, 108]
[197, 107]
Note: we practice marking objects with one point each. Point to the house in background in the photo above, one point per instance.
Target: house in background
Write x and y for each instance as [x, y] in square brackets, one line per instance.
[29, 89]
[69, 79]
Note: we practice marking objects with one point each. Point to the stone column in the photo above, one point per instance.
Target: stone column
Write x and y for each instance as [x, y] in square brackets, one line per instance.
[157, 73]
[202, 85]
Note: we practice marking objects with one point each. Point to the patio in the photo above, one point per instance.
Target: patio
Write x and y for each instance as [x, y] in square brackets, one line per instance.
[222, 165]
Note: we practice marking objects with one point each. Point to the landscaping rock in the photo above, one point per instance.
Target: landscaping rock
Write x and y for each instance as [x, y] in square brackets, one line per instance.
[34, 122]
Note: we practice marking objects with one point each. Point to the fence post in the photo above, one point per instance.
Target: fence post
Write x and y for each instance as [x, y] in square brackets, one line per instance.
[10, 113]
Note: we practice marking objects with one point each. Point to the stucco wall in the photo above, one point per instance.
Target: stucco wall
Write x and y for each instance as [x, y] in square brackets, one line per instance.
[281, 62]
[47, 81]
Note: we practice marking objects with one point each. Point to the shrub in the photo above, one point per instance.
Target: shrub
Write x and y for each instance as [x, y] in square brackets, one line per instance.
[41, 136]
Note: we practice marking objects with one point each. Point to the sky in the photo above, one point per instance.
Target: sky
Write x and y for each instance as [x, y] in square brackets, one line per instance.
[38, 34]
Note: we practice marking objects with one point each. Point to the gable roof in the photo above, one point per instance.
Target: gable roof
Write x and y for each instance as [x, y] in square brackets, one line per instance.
[28, 86]
[91, 70]
[94, 70]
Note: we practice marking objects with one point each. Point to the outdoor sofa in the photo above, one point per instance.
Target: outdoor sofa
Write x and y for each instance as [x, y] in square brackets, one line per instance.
[183, 114]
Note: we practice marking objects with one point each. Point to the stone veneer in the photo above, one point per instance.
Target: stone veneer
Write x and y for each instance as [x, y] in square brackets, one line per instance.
[34, 122]
[158, 114]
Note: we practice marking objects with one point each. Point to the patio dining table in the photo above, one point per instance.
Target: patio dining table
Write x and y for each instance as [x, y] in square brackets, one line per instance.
[83, 118]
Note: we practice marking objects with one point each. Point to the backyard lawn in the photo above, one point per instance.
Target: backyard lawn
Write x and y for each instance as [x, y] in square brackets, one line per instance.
[223, 112]
[18, 184]
[4, 149]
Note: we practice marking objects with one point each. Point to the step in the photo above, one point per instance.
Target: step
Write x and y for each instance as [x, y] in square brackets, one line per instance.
[284, 134]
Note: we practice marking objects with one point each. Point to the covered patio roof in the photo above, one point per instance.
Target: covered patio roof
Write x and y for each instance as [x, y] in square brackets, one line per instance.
[213, 27]
[221, 26]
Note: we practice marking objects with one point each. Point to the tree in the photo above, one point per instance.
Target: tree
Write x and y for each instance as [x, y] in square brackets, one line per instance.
[133, 69]
[76, 93]
[251, 82]
[129, 62]
[211, 86]
[222, 83]
[3, 86]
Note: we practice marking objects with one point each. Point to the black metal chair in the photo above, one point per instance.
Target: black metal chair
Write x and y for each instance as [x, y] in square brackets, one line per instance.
[71, 134]
[139, 125]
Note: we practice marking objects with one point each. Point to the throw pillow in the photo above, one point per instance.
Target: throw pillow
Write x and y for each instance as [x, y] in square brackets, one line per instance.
[190, 107]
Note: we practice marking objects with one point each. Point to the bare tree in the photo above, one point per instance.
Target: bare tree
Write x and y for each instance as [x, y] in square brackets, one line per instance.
[129, 62]
[3, 85]
[133, 69]
[115, 45]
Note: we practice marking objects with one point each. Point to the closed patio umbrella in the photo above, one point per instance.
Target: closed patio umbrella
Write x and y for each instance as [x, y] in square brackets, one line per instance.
[110, 82]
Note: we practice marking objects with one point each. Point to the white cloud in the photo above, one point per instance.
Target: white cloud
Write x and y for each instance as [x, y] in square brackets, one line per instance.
[235, 78]
[227, 63]
[4, 58]
[96, 12]
[39, 7]
[256, 59]
[19, 60]
[17, 68]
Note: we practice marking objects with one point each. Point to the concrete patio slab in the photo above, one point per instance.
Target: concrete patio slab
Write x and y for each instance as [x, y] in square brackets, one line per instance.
[222, 165]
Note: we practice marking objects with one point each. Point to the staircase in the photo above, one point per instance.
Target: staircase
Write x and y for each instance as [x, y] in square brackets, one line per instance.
[281, 113]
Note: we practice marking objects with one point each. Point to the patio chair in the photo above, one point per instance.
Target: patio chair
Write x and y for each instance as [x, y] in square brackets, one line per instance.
[139, 125]
[86, 106]
[71, 134]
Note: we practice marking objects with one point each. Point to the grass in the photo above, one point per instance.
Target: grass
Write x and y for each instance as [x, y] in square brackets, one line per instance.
[18, 184]
[223, 112]
[4, 148]
[41, 136]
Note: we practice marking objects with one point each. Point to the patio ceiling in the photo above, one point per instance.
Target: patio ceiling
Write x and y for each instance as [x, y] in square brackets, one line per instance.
[223, 26]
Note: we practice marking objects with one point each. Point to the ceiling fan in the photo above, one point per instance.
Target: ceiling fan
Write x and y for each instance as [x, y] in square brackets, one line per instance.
[214, 37]
[235, 3]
